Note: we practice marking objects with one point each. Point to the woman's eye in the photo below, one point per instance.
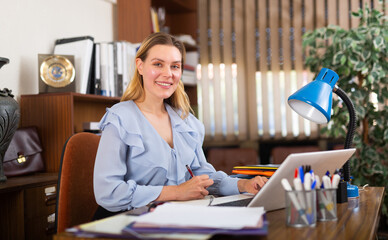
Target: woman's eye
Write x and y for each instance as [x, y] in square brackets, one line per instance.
[176, 66]
[157, 64]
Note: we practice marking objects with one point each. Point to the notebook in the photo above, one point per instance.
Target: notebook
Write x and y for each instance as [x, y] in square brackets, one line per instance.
[271, 196]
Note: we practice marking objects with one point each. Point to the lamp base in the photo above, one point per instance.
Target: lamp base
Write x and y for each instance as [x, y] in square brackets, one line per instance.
[342, 192]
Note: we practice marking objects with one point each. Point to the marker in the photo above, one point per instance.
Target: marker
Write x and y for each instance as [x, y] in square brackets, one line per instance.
[301, 173]
[299, 188]
[307, 188]
[335, 180]
[286, 185]
[189, 169]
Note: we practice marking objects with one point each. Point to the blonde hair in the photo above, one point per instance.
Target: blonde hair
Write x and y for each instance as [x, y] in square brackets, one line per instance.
[135, 90]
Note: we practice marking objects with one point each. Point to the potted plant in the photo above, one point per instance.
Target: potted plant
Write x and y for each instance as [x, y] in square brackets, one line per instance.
[359, 56]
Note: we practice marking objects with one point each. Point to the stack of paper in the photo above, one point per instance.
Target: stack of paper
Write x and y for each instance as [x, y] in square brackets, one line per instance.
[183, 218]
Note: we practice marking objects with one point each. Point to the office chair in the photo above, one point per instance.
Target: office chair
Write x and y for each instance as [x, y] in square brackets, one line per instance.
[224, 159]
[75, 199]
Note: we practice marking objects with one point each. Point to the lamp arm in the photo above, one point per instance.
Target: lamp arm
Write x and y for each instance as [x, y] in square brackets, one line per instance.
[351, 127]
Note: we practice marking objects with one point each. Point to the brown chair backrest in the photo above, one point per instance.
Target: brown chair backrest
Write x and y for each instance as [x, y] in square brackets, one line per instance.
[75, 201]
[224, 159]
[280, 153]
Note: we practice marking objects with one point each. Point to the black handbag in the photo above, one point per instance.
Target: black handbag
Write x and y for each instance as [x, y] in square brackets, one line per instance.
[24, 154]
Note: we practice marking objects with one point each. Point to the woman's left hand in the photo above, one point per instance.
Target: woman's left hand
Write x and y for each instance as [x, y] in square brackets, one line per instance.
[251, 185]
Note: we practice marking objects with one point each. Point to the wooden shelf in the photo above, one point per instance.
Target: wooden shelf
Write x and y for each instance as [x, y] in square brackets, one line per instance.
[58, 116]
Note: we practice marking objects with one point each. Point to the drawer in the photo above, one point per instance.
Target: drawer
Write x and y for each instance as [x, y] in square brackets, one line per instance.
[41, 227]
[40, 201]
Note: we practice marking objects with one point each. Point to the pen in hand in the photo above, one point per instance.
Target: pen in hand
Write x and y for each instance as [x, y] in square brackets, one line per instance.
[189, 169]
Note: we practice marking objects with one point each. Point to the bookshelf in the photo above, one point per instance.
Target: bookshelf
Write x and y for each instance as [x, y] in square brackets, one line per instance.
[134, 24]
[58, 116]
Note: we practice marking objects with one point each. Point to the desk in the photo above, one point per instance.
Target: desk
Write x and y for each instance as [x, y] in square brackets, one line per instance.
[352, 223]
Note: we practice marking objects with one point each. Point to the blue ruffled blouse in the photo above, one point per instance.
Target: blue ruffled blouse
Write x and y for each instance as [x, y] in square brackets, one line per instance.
[134, 162]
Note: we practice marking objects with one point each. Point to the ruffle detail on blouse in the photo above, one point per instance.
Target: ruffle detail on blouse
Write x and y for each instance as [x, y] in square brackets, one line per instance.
[190, 131]
[129, 129]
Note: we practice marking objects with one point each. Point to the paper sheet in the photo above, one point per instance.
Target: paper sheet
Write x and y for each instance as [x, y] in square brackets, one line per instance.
[173, 214]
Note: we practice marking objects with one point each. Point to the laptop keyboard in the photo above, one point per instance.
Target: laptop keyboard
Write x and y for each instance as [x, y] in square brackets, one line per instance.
[237, 203]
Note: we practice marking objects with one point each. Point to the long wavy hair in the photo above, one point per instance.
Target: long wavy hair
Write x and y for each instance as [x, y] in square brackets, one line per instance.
[135, 90]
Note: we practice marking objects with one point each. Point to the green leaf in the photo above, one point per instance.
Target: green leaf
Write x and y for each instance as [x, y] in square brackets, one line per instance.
[386, 134]
[360, 111]
[337, 58]
[366, 54]
[378, 42]
[359, 66]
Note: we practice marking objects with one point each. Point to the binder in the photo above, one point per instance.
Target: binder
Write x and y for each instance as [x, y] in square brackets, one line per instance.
[104, 69]
[82, 49]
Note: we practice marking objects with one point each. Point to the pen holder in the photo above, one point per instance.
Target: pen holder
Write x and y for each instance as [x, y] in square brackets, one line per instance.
[327, 204]
[301, 208]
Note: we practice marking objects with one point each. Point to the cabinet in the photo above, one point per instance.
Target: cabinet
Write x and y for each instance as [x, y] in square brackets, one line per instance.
[58, 116]
[134, 24]
[26, 206]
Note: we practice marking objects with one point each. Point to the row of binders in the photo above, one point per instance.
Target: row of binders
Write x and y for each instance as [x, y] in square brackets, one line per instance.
[106, 68]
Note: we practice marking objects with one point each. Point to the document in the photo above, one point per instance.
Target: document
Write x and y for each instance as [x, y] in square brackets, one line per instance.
[192, 216]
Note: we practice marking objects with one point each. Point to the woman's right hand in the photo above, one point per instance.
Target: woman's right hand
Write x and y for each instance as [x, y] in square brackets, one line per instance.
[195, 188]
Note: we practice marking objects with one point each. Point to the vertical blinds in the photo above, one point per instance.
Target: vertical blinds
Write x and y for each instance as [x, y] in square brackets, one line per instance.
[251, 60]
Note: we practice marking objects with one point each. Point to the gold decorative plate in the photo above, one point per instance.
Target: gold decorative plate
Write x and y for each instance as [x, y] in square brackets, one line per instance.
[57, 71]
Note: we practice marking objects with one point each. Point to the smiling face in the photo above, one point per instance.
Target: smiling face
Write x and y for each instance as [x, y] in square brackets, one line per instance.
[161, 71]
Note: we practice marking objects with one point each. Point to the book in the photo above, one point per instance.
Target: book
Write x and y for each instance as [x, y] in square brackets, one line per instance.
[82, 50]
[97, 69]
[111, 72]
[118, 68]
[104, 69]
[266, 170]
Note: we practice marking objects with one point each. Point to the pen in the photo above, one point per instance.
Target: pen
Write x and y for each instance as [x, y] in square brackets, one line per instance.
[294, 201]
[189, 169]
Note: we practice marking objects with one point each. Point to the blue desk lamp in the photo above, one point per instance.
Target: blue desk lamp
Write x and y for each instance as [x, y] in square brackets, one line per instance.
[314, 102]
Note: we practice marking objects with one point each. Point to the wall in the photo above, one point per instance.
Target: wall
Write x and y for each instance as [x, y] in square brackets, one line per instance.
[28, 28]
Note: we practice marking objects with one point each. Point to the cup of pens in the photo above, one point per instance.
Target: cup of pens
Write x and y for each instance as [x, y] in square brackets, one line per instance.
[301, 208]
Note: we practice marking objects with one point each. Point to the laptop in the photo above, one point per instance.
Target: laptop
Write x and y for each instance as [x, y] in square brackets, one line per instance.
[272, 195]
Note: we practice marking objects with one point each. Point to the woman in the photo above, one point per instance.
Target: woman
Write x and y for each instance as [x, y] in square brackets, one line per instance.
[150, 137]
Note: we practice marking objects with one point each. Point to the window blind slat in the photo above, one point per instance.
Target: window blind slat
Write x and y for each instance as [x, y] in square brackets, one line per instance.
[354, 6]
[241, 76]
[344, 14]
[298, 54]
[332, 12]
[216, 60]
[319, 13]
[228, 60]
[204, 61]
[262, 23]
[250, 63]
[286, 44]
[275, 67]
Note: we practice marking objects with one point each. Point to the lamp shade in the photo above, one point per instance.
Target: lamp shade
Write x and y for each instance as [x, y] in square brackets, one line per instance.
[314, 100]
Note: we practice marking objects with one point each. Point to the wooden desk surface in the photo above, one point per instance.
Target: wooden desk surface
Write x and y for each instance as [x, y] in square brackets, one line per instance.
[352, 223]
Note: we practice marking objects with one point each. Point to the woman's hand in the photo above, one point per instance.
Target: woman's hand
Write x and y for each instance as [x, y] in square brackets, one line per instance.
[252, 185]
[195, 188]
